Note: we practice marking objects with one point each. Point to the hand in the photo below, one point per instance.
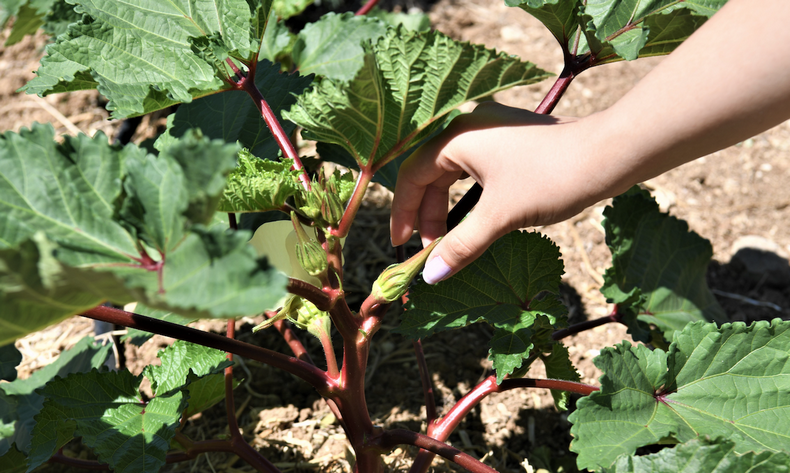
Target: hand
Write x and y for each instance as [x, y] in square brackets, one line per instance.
[532, 169]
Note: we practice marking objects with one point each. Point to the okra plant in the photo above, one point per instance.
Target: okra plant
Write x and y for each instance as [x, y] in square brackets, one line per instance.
[168, 226]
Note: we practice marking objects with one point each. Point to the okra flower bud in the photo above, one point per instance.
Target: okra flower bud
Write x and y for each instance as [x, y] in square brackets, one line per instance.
[393, 283]
[309, 253]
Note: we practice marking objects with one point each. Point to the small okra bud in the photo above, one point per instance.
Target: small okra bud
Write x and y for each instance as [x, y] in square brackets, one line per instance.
[332, 208]
[309, 253]
[393, 283]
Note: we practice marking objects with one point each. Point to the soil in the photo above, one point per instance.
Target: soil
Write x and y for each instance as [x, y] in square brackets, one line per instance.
[735, 193]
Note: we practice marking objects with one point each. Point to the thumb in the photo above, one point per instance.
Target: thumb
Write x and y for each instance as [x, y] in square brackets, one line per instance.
[466, 242]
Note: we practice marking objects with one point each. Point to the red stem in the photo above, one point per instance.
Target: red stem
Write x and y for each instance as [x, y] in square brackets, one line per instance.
[329, 354]
[354, 203]
[311, 374]
[230, 408]
[247, 84]
[427, 385]
[366, 7]
[307, 291]
[392, 438]
[442, 428]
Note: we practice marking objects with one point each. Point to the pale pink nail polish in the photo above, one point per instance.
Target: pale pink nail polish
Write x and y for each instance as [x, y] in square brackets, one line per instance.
[435, 270]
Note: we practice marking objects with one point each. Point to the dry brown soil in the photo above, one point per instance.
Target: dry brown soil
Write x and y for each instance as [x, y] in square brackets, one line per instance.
[738, 192]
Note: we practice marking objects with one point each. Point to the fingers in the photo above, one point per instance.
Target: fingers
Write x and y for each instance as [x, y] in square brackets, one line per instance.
[421, 194]
[466, 242]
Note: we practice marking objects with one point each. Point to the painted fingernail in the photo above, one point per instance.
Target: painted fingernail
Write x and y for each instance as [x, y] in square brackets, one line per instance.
[435, 270]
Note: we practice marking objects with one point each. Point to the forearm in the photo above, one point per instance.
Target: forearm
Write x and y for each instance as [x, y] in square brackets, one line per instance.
[727, 82]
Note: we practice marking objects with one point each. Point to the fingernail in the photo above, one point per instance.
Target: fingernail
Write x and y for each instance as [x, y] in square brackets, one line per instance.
[435, 270]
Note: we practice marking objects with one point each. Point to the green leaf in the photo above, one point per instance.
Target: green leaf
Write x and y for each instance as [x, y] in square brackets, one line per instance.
[59, 17]
[87, 354]
[13, 461]
[28, 21]
[332, 46]
[417, 21]
[658, 265]
[409, 81]
[627, 26]
[179, 360]
[613, 30]
[139, 53]
[513, 286]
[732, 381]
[232, 116]
[710, 456]
[10, 358]
[107, 410]
[388, 174]
[205, 392]
[258, 185]
[277, 43]
[561, 17]
[287, 8]
[65, 247]
[559, 366]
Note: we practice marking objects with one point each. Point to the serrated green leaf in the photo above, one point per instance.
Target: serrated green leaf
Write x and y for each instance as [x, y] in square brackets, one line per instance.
[698, 455]
[258, 185]
[409, 81]
[627, 26]
[10, 358]
[260, 17]
[232, 116]
[107, 410]
[85, 355]
[59, 17]
[732, 381]
[388, 174]
[512, 286]
[205, 392]
[658, 265]
[179, 360]
[64, 245]
[139, 53]
[559, 366]
[332, 46]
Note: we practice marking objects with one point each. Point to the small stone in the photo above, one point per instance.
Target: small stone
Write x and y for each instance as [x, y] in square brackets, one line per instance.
[761, 261]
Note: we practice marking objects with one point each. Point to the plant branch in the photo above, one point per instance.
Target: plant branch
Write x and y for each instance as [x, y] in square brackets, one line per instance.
[308, 372]
[329, 354]
[367, 7]
[354, 203]
[247, 84]
[392, 438]
[296, 346]
[427, 385]
[307, 291]
[615, 316]
[230, 408]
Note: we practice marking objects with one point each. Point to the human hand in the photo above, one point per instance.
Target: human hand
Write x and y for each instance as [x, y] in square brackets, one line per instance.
[532, 169]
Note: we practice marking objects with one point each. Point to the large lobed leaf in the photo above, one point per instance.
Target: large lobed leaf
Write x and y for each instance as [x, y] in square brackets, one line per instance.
[612, 30]
[513, 286]
[144, 55]
[108, 411]
[732, 381]
[658, 265]
[70, 238]
[408, 82]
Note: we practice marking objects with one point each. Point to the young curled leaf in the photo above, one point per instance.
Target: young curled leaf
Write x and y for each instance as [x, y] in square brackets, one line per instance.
[258, 185]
